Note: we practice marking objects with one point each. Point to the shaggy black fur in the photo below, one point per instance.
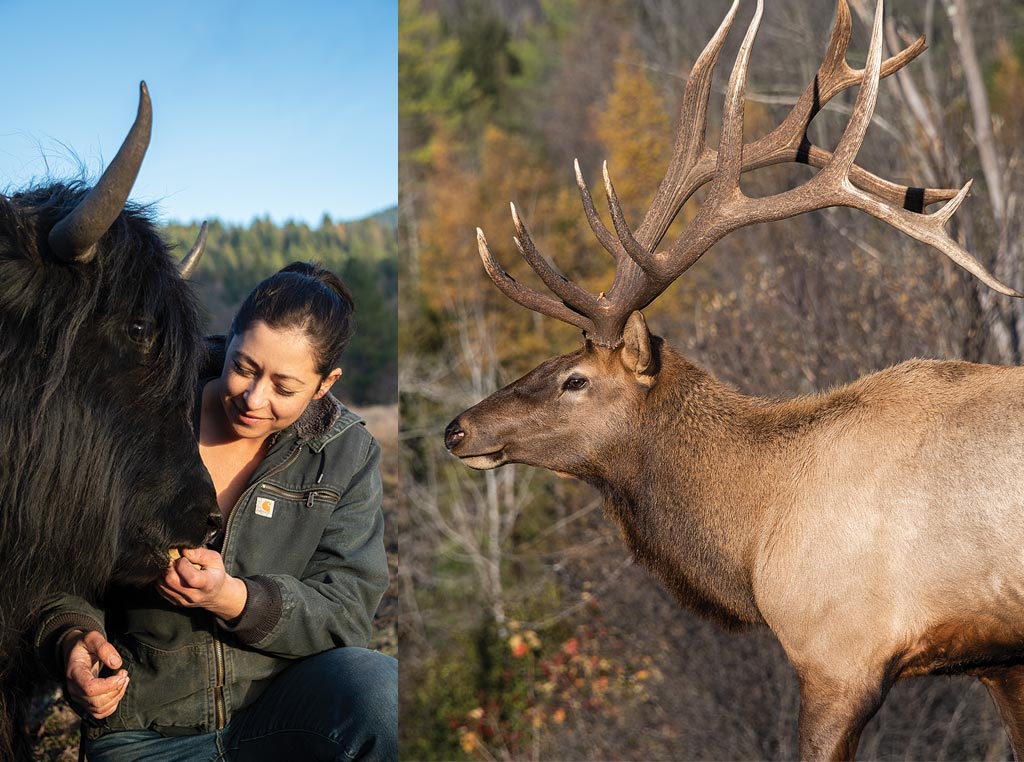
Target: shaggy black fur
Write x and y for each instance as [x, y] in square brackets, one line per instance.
[99, 470]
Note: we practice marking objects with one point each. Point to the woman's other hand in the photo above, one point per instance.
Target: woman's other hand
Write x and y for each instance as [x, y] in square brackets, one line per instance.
[85, 653]
[208, 587]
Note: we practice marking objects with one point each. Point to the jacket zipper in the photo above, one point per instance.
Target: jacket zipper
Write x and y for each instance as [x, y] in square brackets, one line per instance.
[220, 707]
[312, 495]
[218, 695]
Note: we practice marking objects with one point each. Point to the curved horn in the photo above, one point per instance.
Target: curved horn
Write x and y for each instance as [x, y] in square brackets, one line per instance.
[74, 237]
[188, 265]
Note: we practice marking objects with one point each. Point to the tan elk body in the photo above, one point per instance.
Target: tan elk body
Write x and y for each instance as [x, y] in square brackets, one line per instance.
[877, 529]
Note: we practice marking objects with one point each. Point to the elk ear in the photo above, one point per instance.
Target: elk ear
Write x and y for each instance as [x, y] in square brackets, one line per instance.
[636, 349]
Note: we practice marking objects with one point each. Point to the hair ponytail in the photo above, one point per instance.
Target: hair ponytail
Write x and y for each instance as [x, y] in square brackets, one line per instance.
[308, 297]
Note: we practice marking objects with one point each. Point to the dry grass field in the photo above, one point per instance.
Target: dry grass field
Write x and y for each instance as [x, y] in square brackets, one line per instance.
[382, 422]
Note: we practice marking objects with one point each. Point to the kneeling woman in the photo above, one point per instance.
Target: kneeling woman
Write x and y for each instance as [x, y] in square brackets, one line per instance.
[254, 647]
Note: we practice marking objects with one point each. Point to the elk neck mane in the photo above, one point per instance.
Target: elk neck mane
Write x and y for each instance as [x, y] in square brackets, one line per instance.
[699, 472]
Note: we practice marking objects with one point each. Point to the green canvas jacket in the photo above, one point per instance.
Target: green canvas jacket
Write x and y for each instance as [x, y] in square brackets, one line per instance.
[306, 537]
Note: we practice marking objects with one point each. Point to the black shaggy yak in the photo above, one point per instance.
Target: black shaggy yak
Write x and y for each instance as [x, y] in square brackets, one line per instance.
[99, 346]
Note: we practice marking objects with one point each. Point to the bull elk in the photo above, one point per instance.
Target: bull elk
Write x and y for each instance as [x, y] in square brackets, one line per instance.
[877, 529]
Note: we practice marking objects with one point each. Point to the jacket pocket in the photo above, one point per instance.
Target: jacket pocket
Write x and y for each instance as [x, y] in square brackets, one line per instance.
[279, 529]
[308, 497]
[168, 690]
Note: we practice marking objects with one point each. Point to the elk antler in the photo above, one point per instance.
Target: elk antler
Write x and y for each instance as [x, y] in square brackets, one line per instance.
[641, 273]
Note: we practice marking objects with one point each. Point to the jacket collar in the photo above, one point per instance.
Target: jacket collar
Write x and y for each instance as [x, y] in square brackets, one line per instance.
[322, 420]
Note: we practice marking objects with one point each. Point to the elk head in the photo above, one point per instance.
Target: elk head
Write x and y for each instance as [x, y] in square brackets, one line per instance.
[560, 413]
[515, 424]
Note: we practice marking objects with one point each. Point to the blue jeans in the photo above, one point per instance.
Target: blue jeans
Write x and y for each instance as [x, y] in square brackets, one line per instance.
[338, 705]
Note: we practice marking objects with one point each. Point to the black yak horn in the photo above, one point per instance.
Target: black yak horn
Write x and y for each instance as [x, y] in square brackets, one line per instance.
[74, 238]
[191, 261]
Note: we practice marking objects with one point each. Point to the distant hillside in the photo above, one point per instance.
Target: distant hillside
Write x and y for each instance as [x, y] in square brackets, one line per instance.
[387, 217]
[364, 253]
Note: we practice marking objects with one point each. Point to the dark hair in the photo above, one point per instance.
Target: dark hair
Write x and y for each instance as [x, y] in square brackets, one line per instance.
[306, 296]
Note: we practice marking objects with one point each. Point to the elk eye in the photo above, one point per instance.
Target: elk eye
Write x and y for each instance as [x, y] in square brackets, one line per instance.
[139, 331]
[574, 383]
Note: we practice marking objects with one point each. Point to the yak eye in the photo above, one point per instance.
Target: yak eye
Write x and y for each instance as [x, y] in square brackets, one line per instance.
[139, 331]
[574, 383]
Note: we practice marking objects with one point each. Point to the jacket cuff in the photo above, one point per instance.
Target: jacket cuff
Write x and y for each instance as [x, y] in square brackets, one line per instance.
[262, 611]
[52, 630]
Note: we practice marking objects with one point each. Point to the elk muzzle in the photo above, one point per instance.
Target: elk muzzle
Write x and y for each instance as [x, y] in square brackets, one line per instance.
[453, 434]
[475, 452]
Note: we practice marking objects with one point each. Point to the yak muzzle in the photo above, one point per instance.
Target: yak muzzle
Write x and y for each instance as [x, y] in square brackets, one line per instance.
[214, 524]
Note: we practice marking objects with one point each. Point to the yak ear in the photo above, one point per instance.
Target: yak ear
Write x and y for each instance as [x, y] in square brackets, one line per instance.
[636, 350]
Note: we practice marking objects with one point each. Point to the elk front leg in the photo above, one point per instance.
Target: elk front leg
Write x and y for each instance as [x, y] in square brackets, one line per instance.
[1006, 687]
[833, 714]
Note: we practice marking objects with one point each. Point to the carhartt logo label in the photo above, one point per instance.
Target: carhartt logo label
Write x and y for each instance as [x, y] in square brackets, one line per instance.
[264, 507]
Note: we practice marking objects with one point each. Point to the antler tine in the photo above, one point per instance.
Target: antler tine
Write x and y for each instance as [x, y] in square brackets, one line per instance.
[730, 144]
[634, 248]
[576, 297]
[863, 107]
[526, 296]
[689, 147]
[948, 209]
[693, 112]
[929, 229]
[840, 75]
[607, 240]
[710, 224]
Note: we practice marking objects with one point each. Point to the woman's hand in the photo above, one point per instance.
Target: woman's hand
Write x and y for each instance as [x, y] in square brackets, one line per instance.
[209, 587]
[85, 653]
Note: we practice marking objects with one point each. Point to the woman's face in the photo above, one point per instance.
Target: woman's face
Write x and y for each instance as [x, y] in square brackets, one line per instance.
[268, 380]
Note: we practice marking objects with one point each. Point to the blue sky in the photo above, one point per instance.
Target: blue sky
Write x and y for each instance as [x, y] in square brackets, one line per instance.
[286, 109]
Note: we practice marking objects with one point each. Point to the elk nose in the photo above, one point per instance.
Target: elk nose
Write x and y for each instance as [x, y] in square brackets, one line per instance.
[453, 434]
